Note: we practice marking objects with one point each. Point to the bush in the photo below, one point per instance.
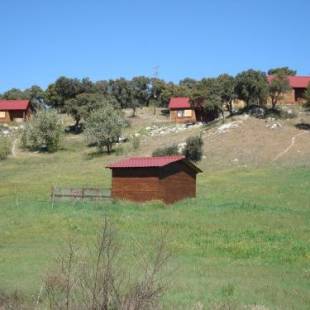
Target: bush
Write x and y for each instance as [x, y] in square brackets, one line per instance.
[135, 142]
[166, 151]
[193, 148]
[96, 279]
[5, 147]
[104, 127]
[307, 98]
[43, 132]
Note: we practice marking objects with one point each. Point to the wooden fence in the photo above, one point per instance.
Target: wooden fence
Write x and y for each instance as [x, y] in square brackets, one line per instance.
[61, 193]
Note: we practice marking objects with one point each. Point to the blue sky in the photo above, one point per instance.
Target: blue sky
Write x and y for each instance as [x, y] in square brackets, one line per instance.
[100, 39]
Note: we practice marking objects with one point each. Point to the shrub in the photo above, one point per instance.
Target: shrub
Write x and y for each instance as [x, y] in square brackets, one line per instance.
[135, 142]
[166, 151]
[307, 98]
[43, 132]
[5, 147]
[97, 279]
[104, 127]
[193, 148]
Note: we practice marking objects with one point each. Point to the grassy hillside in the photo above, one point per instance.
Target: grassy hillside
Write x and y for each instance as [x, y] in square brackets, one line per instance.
[243, 241]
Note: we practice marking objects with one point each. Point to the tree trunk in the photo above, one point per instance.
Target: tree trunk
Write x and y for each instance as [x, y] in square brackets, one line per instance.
[133, 111]
[273, 103]
[230, 108]
[77, 123]
[108, 148]
[223, 115]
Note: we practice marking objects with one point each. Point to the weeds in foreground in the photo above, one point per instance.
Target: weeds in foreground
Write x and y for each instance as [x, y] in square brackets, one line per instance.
[96, 280]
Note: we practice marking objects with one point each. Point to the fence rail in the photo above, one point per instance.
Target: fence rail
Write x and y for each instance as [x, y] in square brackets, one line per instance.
[66, 193]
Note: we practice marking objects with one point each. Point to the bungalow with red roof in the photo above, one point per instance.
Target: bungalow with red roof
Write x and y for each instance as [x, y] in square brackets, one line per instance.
[298, 86]
[181, 110]
[14, 110]
[166, 178]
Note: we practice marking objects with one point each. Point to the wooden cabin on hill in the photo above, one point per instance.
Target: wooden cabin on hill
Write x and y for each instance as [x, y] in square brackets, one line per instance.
[298, 86]
[181, 110]
[14, 110]
[167, 178]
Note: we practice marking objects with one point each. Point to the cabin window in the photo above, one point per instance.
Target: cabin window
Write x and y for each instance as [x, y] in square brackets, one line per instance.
[184, 113]
[180, 113]
[188, 113]
[2, 114]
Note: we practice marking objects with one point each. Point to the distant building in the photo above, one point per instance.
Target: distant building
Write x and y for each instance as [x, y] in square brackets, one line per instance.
[185, 110]
[298, 84]
[14, 110]
[181, 110]
[167, 178]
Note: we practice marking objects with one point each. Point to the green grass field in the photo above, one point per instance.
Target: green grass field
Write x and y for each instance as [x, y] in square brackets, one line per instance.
[243, 241]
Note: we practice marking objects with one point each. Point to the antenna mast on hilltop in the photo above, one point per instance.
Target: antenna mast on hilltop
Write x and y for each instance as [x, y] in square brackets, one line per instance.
[155, 72]
[155, 76]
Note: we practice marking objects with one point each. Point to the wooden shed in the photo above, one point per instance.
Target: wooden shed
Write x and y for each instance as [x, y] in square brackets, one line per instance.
[166, 178]
[181, 110]
[14, 110]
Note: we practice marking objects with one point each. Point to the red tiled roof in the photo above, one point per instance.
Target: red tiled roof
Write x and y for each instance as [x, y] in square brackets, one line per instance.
[179, 103]
[14, 105]
[142, 162]
[150, 162]
[295, 81]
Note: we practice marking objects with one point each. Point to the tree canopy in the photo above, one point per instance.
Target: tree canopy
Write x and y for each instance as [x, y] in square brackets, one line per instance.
[278, 87]
[282, 71]
[104, 127]
[77, 96]
[252, 87]
[83, 104]
[43, 132]
[307, 97]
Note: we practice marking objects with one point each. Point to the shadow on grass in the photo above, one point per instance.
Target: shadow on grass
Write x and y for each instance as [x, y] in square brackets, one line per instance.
[97, 154]
[303, 126]
[164, 112]
[76, 130]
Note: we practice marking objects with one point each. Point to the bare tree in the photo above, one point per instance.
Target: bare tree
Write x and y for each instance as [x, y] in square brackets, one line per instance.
[97, 281]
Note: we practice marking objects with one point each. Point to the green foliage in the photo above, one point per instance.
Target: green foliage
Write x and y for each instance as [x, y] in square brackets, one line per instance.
[66, 88]
[141, 92]
[83, 104]
[307, 97]
[120, 89]
[252, 87]
[14, 93]
[209, 93]
[193, 148]
[158, 96]
[135, 142]
[189, 83]
[277, 88]
[5, 147]
[43, 132]
[104, 127]
[166, 151]
[282, 71]
[215, 93]
[227, 90]
[35, 94]
[161, 91]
